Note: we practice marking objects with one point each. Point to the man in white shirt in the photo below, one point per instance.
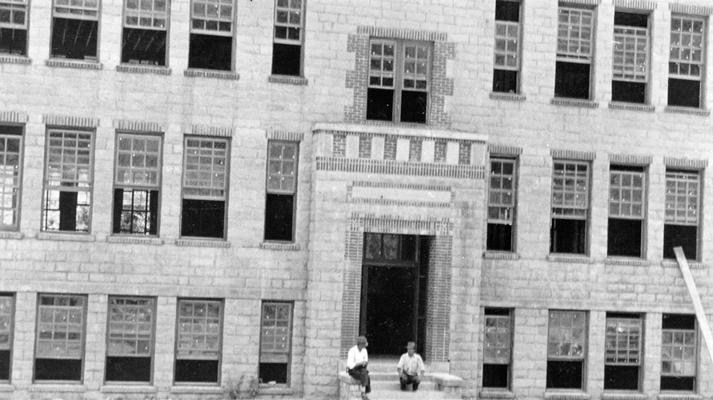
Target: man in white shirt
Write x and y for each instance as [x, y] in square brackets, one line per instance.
[357, 360]
[410, 367]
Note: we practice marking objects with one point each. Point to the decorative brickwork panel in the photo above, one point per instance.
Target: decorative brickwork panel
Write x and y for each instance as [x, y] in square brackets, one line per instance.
[440, 154]
[339, 145]
[390, 147]
[364, 146]
[439, 294]
[351, 299]
[414, 151]
[464, 149]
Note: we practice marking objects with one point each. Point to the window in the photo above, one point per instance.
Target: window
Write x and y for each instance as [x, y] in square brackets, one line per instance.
[10, 176]
[136, 184]
[626, 211]
[679, 345]
[281, 190]
[13, 27]
[501, 204]
[631, 57]
[570, 207]
[507, 46]
[683, 192]
[289, 34]
[205, 187]
[497, 348]
[145, 32]
[566, 347]
[60, 337]
[275, 342]
[399, 81]
[67, 202]
[211, 41]
[130, 339]
[199, 340]
[75, 26]
[7, 311]
[623, 351]
[574, 52]
[686, 61]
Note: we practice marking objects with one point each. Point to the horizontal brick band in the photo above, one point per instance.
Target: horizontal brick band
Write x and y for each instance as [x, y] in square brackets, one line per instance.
[635, 4]
[615, 105]
[390, 224]
[402, 33]
[288, 80]
[504, 150]
[558, 101]
[10, 59]
[70, 120]
[14, 117]
[687, 110]
[396, 185]
[76, 64]
[151, 241]
[400, 203]
[285, 135]
[685, 163]
[573, 154]
[582, 2]
[507, 96]
[202, 243]
[200, 73]
[630, 159]
[138, 126]
[400, 168]
[143, 69]
[690, 9]
[205, 130]
[280, 246]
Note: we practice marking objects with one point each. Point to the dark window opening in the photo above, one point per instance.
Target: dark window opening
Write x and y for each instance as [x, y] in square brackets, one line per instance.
[380, 104]
[684, 93]
[203, 218]
[564, 374]
[678, 321]
[143, 46]
[51, 369]
[4, 365]
[507, 11]
[499, 237]
[135, 211]
[624, 237]
[286, 59]
[196, 370]
[568, 236]
[504, 81]
[621, 377]
[687, 383]
[128, 369]
[210, 52]
[413, 106]
[273, 372]
[572, 80]
[279, 216]
[629, 92]
[495, 375]
[13, 41]
[680, 235]
[74, 38]
[631, 19]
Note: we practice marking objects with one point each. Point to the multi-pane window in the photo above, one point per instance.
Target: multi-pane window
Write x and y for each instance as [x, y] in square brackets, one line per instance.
[275, 342]
[10, 176]
[7, 307]
[145, 32]
[205, 186]
[497, 348]
[501, 204]
[623, 351]
[198, 343]
[686, 61]
[136, 184]
[281, 190]
[75, 28]
[59, 351]
[570, 207]
[626, 211]
[130, 339]
[211, 40]
[631, 57]
[566, 349]
[679, 352]
[507, 46]
[13, 27]
[399, 80]
[574, 52]
[682, 215]
[288, 37]
[67, 202]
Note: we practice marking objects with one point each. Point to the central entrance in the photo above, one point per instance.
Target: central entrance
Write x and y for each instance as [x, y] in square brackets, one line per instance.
[393, 292]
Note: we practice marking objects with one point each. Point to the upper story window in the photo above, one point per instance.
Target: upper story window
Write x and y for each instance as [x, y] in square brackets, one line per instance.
[507, 46]
[575, 48]
[145, 32]
[130, 339]
[198, 342]
[497, 348]
[7, 318]
[75, 28]
[211, 40]
[59, 351]
[275, 342]
[288, 37]
[631, 57]
[679, 349]
[281, 190]
[686, 61]
[10, 176]
[626, 211]
[682, 217]
[623, 351]
[13, 27]
[570, 207]
[399, 80]
[566, 349]
[501, 204]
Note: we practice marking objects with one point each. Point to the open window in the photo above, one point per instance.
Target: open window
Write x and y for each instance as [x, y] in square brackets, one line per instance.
[7, 319]
[288, 37]
[679, 352]
[686, 61]
[566, 349]
[631, 57]
[145, 32]
[281, 190]
[275, 342]
[507, 46]
[574, 52]
[497, 348]
[626, 211]
[211, 40]
[130, 339]
[623, 351]
[198, 342]
[59, 350]
[681, 221]
[11, 144]
[13, 27]
[501, 204]
[570, 207]
[75, 28]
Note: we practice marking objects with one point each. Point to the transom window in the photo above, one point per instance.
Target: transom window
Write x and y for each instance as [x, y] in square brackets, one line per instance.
[574, 52]
[566, 346]
[275, 342]
[501, 204]
[679, 349]
[130, 339]
[145, 30]
[198, 344]
[7, 308]
[626, 211]
[686, 60]
[570, 207]
[623, 350]
[497, 348]
[281, 190]
[10, 176]
[60, 337]
[682, 213]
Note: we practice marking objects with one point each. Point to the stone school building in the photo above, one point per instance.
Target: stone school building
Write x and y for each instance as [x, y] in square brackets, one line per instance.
[203, 195]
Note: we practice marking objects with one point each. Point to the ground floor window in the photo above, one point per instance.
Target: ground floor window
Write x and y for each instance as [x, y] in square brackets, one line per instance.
[130, 339]
[198, 341]
[275, 342]
[59, 352]
[497, 348]
[566, 349]
[7, 307]
[679, 347]
[623, 354]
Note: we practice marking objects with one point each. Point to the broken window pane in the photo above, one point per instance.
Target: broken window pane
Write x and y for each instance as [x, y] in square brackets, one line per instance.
[570, 207]
[566, 349]
[501, 204]
[574, 52]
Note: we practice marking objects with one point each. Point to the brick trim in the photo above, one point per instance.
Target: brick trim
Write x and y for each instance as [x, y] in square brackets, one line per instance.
[359, 222]
[617, 105]
[14, 117]
[507, 96]
[202, 243]
[635, 4]
[280, 246]
[12, 235]
[504, 150]
[288, 80]
[201, 73]
[693, 9]
[288, 136]
[75, 64]
[10, 59]
[687, 110]
[685, 163]
[205, 130]
[70, 120]
[630, 159]
[391, 167]
[582, 2]
[138, 126]
[402, 33]
[573, 154]
[567, 102]
[135, 240]
[143, 69]
[568, 395]
[396, 185]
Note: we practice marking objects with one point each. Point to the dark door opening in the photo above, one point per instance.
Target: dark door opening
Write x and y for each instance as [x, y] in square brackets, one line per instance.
[393, 295]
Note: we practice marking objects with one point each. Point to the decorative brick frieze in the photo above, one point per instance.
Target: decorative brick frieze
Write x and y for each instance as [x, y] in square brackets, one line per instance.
[573, 154]
[402, 33]
[202, 243]
[617, 105]
[500, 255]
[440, 151]
[693, 9]
[504, 150]
[507, 96]
[414, 151]
[685, 163]
[278, 246]
[398, 225]
[10, 59]
[288, 80]
[687, 110]
[151, 241]
[138, 126]
[591, 3]
[396, 185]
[630, 159]
[632, 262]
[399, 168]
[635, 4]
[70, 120]
[570, 258]
[13, 117]
[74, 64]
[562, 101]
[143, 69]
[288, 136]
[205, 130]
[364, 146]
[202, 73]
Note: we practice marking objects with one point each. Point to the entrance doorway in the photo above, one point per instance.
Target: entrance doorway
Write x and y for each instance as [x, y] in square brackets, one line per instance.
[393, 292]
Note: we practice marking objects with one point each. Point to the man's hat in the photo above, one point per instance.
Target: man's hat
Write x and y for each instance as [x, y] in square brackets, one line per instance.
[361, 340]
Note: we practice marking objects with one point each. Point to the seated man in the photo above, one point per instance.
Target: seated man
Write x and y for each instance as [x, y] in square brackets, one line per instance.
[357, 360]
[410, 367]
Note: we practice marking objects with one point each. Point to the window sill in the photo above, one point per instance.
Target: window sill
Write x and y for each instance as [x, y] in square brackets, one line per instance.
[507, 96]
[143, 69]
[69, 387]
[13, 59]
[154, 241]
[619, 105]
[66, 236]
[679, 396]
[568, 102]
[282, 246]
[674, 264]
[7, 388]
[569, 258]
[275, 390]
[75, 64]
[635, 262]
[288, 79]
[193, 389]
[207, 73]
[500, 255]
[496, 394]
[218, 243]
[127, 388]
[623, 395]
[687, 110]
[11, 235]
[565, 394]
